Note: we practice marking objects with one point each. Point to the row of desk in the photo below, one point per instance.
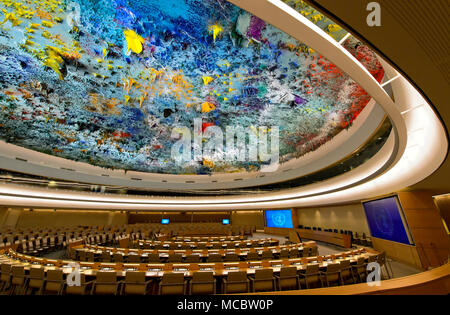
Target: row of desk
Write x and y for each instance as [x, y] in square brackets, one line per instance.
[343, 240]
[207, 245]
[90, 269]
[203, 254]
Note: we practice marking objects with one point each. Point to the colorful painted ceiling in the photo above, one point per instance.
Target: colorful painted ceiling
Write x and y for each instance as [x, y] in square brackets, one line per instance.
[106, 82]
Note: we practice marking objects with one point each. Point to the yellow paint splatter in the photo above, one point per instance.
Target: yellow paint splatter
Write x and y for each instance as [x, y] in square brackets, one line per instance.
[134, 41]
[216, 30]
[207, 80]
[207, 107]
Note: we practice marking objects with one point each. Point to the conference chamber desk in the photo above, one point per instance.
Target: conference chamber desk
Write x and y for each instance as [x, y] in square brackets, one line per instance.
[203, 254]
[156, 271]
[343, 240]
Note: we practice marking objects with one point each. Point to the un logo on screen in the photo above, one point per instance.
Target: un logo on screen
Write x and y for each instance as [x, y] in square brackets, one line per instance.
[279, 219]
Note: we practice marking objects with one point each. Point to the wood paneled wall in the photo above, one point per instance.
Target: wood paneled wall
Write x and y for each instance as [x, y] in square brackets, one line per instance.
[179, 217]
[342, 217]
[19, 218]
[427, 229]
[443, 204]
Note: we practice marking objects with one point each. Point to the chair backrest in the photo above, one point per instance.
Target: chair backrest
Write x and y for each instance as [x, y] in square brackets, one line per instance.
[203, 276]
[106, 276]
[372, 258]
[252, 256]
[381, 258]
[90, 256]
[134, 258]
[193, 258]
[286, 272]
[106, 256]
[154, 258]
[214, 258]
[267, 254]
[175, 258]
[237, 276]
[263, 274]
[345, 264]
[172, 278]
[55, 275]
[5, 269]
[231, 257]
[17, 271]
[333, 267]
[360, 261]
[135, 277]
[118, 257]
[37, 273]
[293, 252]
[312, 269]
[306, 251]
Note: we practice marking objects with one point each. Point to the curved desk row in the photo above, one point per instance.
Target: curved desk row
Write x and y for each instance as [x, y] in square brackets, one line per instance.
[157, 270]
[206, 245]
[242, 253]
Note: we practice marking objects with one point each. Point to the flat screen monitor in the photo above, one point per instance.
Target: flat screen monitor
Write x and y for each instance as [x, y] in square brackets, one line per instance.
[279, 219]
[386, 220]
[225, 221]
[165, 221]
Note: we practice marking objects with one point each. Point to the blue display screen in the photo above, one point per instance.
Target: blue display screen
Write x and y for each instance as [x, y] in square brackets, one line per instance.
[226, 221]
[385, 221]
[279, 219]
[165, 221]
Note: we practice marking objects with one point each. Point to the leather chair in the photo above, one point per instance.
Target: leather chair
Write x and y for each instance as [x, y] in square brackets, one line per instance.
[36, 280]
[84, 288]
[235, 282]
[54, 282]
[18, 279]
[154, 258]
[134, 258]
[332, 274]
[360, 269]
[82, 255]
[311, 276]
[118, 258]
[288, 279]
[346, 272]
[284, 253]
[263, 280]
[106, 256]
[135, 283]
[202, 283]
[105, 283]
[172, 284]
[252, 256]
[90, 256]
[231, 257]
[294, 253]
[5, 276]
[215, 258]
[306, 252]
[193, 258]
[266, 255]
[175, 258]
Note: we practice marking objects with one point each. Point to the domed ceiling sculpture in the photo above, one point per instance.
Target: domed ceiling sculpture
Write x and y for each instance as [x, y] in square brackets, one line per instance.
[108, 82]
